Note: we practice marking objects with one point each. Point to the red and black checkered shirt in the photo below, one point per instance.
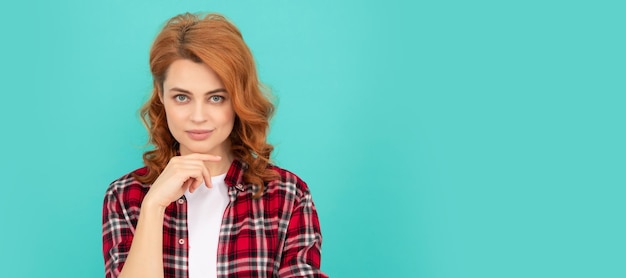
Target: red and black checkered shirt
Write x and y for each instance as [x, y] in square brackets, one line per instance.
[277, 235]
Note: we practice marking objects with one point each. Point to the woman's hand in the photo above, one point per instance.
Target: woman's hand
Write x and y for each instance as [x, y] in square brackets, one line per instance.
[181, 173]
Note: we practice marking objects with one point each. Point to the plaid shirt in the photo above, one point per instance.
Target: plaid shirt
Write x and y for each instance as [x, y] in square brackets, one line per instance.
[277, 235]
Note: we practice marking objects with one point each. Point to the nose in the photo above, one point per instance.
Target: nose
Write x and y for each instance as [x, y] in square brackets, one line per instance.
[198, 112]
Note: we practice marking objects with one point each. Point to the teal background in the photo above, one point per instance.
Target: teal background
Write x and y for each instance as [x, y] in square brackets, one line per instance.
[440, 138]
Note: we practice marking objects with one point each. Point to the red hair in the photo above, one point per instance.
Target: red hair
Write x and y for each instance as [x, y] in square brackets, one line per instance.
[216, 42]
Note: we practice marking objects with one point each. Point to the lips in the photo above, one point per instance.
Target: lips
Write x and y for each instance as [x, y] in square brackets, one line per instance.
[199, 134]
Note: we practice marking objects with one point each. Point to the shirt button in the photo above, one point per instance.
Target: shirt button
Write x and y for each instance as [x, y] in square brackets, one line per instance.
[181, 241]
[181, 201]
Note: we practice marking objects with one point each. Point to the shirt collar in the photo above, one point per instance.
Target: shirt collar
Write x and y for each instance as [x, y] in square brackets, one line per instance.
[234, 176]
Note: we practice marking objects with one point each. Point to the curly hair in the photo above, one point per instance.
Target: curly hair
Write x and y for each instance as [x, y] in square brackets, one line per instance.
[216, 42]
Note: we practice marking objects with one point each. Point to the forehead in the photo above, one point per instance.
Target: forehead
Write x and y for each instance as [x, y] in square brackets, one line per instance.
[191, 76]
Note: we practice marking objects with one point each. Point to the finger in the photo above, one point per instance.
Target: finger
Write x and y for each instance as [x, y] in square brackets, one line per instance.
[190, 164]
[187, 186]
[197, 165]
[207, 177]
[203, 157]
[194, 185]
[185, 173]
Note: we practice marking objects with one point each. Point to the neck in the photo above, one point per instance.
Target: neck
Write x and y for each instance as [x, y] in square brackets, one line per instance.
[220, 167]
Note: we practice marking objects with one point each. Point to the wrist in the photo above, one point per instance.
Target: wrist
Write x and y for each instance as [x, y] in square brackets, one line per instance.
[151, 207]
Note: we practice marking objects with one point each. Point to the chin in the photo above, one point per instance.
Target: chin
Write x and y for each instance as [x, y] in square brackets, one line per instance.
[199, 147]
[202, 150]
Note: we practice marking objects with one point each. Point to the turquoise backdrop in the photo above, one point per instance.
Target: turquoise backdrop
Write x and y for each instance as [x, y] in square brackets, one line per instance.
[441, 139]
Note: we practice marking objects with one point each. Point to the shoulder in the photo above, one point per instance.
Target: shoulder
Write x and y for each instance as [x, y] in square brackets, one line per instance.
[288, 181]
[127, 189]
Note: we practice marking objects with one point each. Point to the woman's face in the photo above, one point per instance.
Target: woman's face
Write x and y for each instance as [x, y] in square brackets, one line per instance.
[199, 111]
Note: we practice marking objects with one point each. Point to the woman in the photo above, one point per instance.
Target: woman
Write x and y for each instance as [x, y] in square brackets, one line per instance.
[208, 203]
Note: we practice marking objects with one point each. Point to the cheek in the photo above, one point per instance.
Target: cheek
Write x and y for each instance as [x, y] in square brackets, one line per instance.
[231, 115]
[225, 116]
[231, 118]
[173, 116]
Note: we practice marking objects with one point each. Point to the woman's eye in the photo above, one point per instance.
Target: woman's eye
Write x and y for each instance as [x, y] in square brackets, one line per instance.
[180, 98]
[216, 98]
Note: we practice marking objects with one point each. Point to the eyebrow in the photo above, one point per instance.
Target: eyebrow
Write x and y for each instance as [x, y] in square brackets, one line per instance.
[218, 90]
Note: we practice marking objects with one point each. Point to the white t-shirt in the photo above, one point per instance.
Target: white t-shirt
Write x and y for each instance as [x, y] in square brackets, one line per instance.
[205, 208]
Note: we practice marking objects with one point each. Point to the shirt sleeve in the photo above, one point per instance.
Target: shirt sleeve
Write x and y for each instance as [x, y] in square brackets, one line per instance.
[117, 235]
[303, 244]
